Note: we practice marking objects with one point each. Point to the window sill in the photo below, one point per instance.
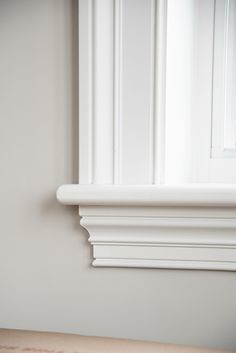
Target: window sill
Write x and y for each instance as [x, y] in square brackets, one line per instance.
[187, 226]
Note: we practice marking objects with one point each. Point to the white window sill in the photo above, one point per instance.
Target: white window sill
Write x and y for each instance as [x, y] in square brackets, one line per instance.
[213, 195]
[187, 226]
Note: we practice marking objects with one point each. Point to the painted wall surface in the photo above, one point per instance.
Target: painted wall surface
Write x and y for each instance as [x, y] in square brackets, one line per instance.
[46, 281]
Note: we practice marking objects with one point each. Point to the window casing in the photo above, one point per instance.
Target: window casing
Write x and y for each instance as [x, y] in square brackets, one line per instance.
[152, 190]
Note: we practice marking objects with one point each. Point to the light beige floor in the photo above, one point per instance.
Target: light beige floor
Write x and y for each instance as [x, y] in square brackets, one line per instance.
[29, 341]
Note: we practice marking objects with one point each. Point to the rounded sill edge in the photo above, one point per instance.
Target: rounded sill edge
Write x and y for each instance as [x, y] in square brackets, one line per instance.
[205, 195]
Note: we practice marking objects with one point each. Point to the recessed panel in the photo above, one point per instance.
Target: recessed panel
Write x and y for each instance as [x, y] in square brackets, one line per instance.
[136, 97]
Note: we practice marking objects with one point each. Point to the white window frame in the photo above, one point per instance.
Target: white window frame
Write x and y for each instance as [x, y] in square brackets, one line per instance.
[220, 72]
[148, 224]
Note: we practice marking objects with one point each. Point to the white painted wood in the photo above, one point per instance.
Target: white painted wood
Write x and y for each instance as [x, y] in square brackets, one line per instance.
[85, 92]
[168, 264]
[118, 34]
[147, 106]
[175, 241]
[160, 211]
[151, 226]
[103, 91]
[169, 223]
[96, 91]
[137, 85]
[202, 82]
[147, 195]
[159, 96]
[219, 77]
[122, 85]
[145, 190]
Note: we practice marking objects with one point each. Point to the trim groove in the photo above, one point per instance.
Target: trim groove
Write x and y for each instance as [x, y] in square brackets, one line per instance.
[117, 104]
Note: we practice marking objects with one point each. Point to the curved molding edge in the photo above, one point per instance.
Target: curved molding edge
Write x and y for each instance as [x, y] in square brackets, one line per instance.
[158, 227]
[148, 195]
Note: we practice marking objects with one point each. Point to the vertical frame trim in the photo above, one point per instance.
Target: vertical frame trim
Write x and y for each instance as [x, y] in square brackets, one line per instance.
[117, 91]
[160, 91]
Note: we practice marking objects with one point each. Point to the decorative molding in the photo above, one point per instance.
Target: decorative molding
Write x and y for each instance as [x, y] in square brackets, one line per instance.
[133, 219]
[121, 85]
[149, 195]
[158, 227]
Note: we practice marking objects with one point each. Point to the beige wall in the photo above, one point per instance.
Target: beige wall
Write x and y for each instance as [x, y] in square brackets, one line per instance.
[46, 282]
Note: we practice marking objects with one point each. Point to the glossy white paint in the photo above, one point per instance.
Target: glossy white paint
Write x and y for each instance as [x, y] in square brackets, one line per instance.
[151, 226]
[144, 106]
[148, 195]
[121, 87]
[162, 242]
